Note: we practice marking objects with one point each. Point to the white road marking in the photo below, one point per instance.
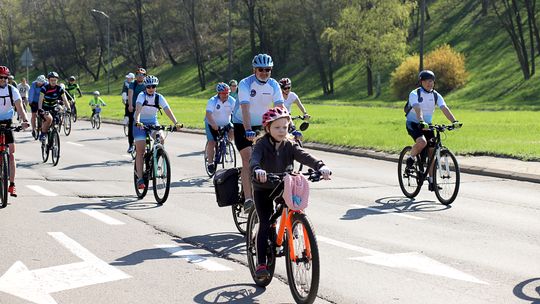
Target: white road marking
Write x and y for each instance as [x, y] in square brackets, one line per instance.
[41, 190]
[101, 217]
[412, 261]
[37, 285]
[389, 211]
[193, 258]
[126, 155]
[75, 144]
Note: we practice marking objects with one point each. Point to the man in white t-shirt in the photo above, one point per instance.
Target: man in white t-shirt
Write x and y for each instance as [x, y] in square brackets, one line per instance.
[23, 88]
[218, 115]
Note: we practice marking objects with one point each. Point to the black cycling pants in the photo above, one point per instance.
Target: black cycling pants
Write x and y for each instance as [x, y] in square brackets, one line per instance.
[265, 207]
[131, 117]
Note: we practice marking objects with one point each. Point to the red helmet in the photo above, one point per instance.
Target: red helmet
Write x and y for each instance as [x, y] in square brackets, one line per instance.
[4, 70]
[284, 82]
[274, 114]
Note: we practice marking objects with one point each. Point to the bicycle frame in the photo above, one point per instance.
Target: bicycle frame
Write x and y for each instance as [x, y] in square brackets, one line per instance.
[285, 225]
[221, 146]
[436, 153]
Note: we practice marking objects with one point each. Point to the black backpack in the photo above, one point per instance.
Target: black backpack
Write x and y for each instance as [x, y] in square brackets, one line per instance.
[407, 108]
[10, 92]
[226, 186]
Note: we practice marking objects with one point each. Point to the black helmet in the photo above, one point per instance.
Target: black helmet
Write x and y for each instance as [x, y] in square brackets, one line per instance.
[52, 75]
[71, 78]
[426, 74]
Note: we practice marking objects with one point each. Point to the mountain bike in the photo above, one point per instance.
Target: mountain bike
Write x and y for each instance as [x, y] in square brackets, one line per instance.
[225, 152]
[52, 143]
[156, 166]
[74, 111]
[303, 126]
[95, 120]
[446, 175]
[293, 238]
[4, 163]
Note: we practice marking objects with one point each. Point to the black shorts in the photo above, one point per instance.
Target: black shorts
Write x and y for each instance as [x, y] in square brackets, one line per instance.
[34, 107]
[415, 132]
[9, 134]
[240, 139]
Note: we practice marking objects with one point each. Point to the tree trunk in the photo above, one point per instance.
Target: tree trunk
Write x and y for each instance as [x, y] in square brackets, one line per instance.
[316, 53]
[369, 79]
[251, 16]
[531, 13]
[422, 26]
[168, 52]
[140, 33]
[521, 38]
[485, 5]
[190, 9]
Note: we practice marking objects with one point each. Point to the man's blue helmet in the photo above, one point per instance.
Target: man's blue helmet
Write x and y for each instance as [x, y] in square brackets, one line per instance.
[262, 61]
[222, 87]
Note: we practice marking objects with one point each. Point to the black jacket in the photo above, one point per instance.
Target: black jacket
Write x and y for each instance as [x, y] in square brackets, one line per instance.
[266, 157]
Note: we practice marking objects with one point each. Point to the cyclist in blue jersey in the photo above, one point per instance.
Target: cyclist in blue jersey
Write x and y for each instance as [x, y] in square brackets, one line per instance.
[420, 116]
[135, 88]
[12, 102]
[218, 115]
[51, 93]
[148, 103]
[33, 96]
[256, 94]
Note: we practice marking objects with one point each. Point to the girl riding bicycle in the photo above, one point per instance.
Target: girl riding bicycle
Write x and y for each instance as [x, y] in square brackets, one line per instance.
[274, 152]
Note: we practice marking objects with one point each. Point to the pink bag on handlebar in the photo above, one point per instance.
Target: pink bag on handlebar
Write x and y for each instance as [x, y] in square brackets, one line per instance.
[296, 192]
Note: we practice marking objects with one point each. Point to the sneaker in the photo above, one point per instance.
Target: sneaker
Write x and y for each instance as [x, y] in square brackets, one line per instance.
[34, 133]
[262, 272]
[248, 205]
[211, 168]
[130, 149]
[410, 163]
[431, 188]
[12, 191]
[140, 184]
[42, 138]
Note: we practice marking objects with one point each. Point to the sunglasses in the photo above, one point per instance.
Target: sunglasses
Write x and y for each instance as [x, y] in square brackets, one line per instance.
[287, 88]
[268, 70]
[4, 77]
[141, 75]
[151, 86]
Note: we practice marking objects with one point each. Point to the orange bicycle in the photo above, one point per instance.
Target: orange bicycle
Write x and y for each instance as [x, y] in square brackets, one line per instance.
[294, 238]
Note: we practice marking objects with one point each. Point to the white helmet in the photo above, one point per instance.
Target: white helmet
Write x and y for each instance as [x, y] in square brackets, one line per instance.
[96, 93]
[130, 75]
[41, 78]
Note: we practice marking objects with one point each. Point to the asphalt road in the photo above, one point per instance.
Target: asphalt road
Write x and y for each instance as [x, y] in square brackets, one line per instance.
[77, 234]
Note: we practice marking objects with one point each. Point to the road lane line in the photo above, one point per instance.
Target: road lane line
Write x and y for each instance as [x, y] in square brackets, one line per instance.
[348, 246]
[75, 144]
[193, 258]
[41, 190]
[101, 217]
[389, 211]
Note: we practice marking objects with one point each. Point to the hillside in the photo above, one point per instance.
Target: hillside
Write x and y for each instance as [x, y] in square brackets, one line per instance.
[495, 80]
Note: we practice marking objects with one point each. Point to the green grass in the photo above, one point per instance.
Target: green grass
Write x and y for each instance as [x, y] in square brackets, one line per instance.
[509, 133]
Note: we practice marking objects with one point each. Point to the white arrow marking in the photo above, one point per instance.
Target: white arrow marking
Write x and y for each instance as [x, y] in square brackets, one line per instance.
[393, 212]
[101, 217]
[41, 190]
[37, 285]
[413, 261]
[75, 144]
[193, 258]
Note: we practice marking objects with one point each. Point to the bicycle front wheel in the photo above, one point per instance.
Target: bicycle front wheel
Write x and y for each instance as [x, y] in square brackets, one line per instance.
[45, 151]
[98, 122]
[55, 147]
[229, 156]
[67, 124]
[410, 180]
[162, 176]
[93, 121]
[446, 179]
[126, 129]
[4, 175]
[251, 247]
[302, 255]
[74, 112]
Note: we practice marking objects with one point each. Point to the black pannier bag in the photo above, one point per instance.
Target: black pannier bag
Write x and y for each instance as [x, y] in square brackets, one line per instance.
[226, 186]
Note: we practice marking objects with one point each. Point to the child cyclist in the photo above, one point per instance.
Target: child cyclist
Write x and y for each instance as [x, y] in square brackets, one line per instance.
[274, 152]
[147, 105]
[96, 102]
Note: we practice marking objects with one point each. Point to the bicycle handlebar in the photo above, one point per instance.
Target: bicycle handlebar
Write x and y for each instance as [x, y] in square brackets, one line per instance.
[10, 128]
[159, 128]
[313, 176]
[442, 128]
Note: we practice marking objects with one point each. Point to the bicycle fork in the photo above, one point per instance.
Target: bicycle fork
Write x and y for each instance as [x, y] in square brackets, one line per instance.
[286, 227]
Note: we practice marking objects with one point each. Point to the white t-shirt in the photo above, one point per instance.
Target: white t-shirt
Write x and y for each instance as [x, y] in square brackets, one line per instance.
[6, 107]
[291, 98]
[149, 111]
[220, 111]
[427, 104]
[23, 89]
[259, 96]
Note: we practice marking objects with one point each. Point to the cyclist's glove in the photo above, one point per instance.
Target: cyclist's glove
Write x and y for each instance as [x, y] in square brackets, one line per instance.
[250, 133]
[325, 171]
[178, 126]
[260, 175]
[456, 124]
[423, 125]
[296, 133]
[139, 124]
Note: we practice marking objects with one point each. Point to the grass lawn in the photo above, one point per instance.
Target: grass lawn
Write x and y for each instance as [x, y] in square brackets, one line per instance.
[501, 133]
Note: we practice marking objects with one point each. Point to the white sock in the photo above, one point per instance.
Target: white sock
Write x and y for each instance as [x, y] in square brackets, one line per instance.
[430, 179]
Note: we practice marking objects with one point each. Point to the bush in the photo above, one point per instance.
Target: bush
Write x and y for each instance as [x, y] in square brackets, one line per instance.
[447, 64]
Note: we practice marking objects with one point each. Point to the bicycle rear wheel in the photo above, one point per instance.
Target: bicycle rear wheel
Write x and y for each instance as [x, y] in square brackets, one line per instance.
[45, 151]
[446, 179]
[229, 156]
[303, 268]
[251, 248]
[141, 193]
[4, 175]
[161, 182]
[67, 124]
[410, 180]
[55, 147]
[93, 121]
[98, 121]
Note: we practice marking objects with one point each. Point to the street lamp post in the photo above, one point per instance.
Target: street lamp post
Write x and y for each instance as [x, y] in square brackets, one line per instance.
[108, 48]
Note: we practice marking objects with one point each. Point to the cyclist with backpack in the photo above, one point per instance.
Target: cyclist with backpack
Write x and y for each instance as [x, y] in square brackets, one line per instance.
[274, 152]
[419, 112]
[218, 115]
[51, 93]
[134, 89]
[148, 103]
[6, 114]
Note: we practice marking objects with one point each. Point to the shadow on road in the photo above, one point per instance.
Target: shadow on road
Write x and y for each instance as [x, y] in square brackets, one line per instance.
[394, 205]
[233, 293]
[109, 163]
[195, 153]
[528, 290]
[192, 182]
[28, 164]
[221, 243]
[121, 203]
[102, 138]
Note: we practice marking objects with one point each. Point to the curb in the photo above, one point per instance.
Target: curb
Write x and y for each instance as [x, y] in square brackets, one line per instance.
[525, 177]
